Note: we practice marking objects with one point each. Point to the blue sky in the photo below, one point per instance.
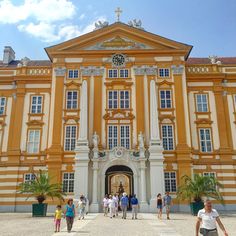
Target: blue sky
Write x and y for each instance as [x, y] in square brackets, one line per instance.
[31, 25]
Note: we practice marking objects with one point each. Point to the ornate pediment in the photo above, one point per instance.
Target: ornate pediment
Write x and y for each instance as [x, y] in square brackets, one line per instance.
[118, 42]
[119, 115]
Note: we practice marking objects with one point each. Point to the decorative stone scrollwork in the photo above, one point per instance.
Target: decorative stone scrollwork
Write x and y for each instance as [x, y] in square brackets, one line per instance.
[92, 71]
[100, 24]
[136, 24]
[60, 71]
[145, 70]
[178, 70]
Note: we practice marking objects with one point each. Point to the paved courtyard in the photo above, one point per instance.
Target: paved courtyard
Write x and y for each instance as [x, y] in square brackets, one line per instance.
[22, 224]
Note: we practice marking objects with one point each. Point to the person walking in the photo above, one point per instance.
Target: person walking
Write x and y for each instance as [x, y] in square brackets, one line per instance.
[207, 218]
[112, 206]
[124, 202]
[57, 218]
[159, 206]
[105, 204]
[116, 198]
[167, 204]
[81, 205]
[135, 206]
[70, 214]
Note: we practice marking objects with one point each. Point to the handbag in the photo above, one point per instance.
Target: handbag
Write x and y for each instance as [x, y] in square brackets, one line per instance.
[205, 232]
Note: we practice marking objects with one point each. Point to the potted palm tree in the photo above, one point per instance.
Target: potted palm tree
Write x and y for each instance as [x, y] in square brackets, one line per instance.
[41, 189]
[194, 189]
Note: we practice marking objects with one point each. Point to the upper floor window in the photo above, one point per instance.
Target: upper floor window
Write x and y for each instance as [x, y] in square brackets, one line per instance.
[205, 140]
[168, 137]
[71, 100]
[2, 105]
[202, 103]
[36, 104]
[165, 96]
[68, 182]
[70, 137]
[170, 182]
[118, 99]
[118, 136]
[29, 177]
[33, 141]
[164, 72]
[73, 74]
[115, 73]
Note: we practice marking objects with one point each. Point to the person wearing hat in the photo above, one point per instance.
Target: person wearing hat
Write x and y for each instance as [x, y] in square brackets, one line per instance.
[124, 202]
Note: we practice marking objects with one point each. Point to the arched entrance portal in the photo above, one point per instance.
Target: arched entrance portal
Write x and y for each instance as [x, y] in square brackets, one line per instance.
[119, 179]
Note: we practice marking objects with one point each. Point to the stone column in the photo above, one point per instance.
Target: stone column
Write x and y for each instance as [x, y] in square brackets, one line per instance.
[143, 186]
[82, 150]
[95, 206]
[156, 150]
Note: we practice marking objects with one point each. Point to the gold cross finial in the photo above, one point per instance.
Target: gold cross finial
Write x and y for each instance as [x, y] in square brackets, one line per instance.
[118, 12]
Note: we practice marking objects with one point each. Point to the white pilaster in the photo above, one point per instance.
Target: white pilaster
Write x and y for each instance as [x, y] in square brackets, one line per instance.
[146, 111]
[95, 206]
[156, 150]
[91, 107]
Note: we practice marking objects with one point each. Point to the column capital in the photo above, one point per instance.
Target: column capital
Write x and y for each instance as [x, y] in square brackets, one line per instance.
[177, 70]
[92, 71]
[145, 70]
[60, 71]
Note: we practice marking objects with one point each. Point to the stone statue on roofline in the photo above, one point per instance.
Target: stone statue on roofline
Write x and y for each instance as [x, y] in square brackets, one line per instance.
[136, 24]
[100, 24]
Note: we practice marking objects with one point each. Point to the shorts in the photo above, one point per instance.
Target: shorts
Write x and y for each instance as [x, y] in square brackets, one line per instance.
[58, 222]
[168, 207]
[159, 207]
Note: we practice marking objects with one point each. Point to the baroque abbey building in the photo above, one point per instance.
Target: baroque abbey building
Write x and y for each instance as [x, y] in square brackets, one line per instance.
[117, 109]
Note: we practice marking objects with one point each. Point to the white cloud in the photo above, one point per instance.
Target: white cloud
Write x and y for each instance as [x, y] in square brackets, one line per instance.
[40, 10]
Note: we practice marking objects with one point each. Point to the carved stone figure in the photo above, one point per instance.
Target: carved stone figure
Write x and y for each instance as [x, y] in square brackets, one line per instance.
[141, 140]
[95, 140]
[213, 60]
[136, 23]
[100, 24]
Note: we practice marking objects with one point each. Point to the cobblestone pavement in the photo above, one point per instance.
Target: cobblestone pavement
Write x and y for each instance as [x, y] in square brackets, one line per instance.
[22, 224]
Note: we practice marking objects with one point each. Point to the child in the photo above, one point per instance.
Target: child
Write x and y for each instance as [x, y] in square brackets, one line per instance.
[57, 218]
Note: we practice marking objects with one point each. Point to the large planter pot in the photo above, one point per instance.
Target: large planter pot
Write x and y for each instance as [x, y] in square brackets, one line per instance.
[39, 209]
[195, 207]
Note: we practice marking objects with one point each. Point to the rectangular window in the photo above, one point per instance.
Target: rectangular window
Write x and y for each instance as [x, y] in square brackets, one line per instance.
[170, 182]
[125, 136]
[33, 141]
[205, 140]
[113, 99]
[71, 100]
[68, 182]
[124, 99]
[124, 73]
[36, 104]
[168, 137]
[73, 74]
[112, 136]
[70, 137]
[202, 103]
[163, 72]
[210, 174]
[29, 177]
[113, 73]
[165, 96]
[2, 105]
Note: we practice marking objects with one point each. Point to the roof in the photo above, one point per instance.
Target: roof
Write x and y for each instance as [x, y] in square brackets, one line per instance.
[14, 63]
[206, 60]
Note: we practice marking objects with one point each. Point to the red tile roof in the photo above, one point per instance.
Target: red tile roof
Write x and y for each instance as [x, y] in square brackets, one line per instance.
[14, 64]
[205, 60]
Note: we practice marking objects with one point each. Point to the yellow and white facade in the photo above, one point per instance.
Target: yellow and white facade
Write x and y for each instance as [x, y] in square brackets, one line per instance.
[117, 108]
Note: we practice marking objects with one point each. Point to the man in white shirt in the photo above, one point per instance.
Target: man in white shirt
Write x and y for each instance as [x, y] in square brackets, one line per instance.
[112, 206]
[105, 204]
[208, 217]
[116, 198]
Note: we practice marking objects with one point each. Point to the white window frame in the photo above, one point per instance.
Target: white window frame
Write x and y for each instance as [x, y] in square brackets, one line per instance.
[125, 136]
[170, 181]
[204, 143]
[124, 73]
[70, 101]
[75, 74]
[36, 108]
[124, 99]
[112, 136]
[68, 182]
[33, 142]
[70, 137]
[165, 99]
[2, 106]
[202, 106]
[210, 174]
[164, 72]
[112, 72]
[167, 138]
[112, 100]
[29, 177]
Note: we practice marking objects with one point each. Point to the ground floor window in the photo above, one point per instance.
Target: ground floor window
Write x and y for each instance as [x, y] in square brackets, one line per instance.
[170, 182]
[209, 174]
[68, 182]
[29, 177]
